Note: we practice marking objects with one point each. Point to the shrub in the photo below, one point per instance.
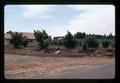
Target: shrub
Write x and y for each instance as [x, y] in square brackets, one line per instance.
[25, 41]
[43, 38]
[69, 41]
[60, 42]
[91, 41]
[113, 43]
[18, 39]
[84, 45]
[105, 43]
[54, 42]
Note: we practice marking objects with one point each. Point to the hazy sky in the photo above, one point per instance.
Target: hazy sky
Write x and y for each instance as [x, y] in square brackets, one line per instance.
[57, 19]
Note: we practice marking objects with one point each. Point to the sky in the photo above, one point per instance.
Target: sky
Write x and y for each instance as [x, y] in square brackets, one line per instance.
[57, 19]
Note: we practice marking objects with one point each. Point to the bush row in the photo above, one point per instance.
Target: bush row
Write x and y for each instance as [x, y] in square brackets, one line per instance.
[68, 41]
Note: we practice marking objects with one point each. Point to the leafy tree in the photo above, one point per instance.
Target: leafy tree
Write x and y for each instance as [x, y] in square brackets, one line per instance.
[69, 41]
[25, 41]
[60, 42]
[84, 46]
[110, 36]
[54, 42]
[18, 39]
[105, 43]
[79, 42]
[91, 41]
[113, 43]
[79, 35]
[43, 38]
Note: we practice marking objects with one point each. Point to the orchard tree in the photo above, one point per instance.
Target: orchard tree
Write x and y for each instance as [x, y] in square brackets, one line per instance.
[25, 41]
[91, 41]
[59, 42]
[69, 41]
[18, 40]
[54, 42]
[80, 35]
[105, 43]
[43, 38]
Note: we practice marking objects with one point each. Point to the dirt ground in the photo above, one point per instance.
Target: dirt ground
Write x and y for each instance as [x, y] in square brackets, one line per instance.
[26, 67]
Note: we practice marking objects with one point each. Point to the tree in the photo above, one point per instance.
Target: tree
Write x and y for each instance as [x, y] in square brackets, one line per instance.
[25, 41]
[110, 36]
[79, 42]
[79, 35]
[69, 41]
[43, 38]
[18, 39]
[53, 42]
[105, 43]
[60, 42]
[84, 45]
[112, 43]
[91, 41]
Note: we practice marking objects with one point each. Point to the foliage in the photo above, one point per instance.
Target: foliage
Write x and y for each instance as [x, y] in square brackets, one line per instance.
[18, 40]
[84, 45]
[25, 41]
[113, 43]
[79, 42]
[91, 41]
[79, 35]
[43, 38]
[54, 42]
[60, 42]
[69, 41]
[105, 43]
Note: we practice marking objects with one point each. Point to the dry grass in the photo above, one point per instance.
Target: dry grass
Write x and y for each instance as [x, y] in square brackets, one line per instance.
[25, 67]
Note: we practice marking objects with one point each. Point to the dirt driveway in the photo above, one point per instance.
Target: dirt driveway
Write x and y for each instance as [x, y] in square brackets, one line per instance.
[27, 67]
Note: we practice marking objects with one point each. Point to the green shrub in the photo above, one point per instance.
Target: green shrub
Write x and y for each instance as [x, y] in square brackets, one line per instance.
[112, 43]
[60, 42]
[69, 41]
[43, 38]
[79, 42]
[54, 42]
[105, 43]
[84, 46]
[25, 41]
[91, 42]
[18, 40]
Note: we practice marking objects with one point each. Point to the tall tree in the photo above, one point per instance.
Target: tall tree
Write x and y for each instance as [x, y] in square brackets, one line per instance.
[18, 39]
[69, 41]
[106, 43]
[79, 35]
[25, 41]
[91, 41]
[43, 38]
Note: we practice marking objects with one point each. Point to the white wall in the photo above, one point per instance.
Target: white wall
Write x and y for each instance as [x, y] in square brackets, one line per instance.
[33, 43]
[7, 42]
[30, 44]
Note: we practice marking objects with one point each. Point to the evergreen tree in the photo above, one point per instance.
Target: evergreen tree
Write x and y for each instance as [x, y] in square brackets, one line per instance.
[18, 39]
[105, 43]
[69, 41]
[91, 41]
[43, 38]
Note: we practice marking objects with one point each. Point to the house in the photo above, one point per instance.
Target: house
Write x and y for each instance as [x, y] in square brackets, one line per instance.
[32, 41]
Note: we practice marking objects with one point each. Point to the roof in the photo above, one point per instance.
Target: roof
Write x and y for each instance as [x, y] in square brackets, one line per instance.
[28, 35]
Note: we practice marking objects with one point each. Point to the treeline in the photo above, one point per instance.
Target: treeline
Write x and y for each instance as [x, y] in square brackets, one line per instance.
[68, 41]
[80, 35]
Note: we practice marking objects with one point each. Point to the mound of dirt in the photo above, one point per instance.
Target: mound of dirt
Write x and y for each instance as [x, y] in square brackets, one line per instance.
[51, 51]
[104, 52]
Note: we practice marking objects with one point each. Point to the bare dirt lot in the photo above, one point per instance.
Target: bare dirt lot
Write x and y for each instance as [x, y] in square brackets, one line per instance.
[27, 67]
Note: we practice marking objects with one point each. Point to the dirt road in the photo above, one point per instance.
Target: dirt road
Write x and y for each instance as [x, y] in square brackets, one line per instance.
[102, 70]
[35, 67]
